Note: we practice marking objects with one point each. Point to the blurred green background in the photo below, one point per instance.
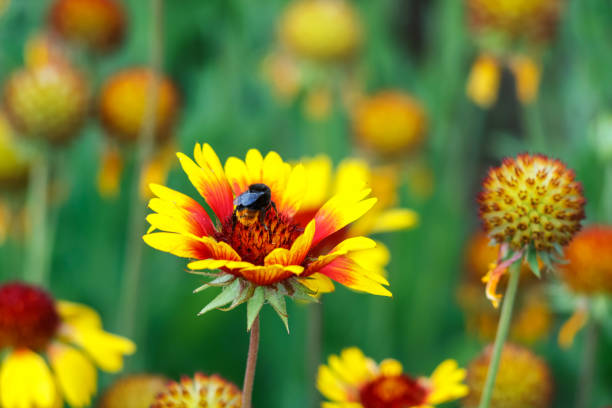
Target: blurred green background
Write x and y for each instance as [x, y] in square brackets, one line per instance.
[214, 50]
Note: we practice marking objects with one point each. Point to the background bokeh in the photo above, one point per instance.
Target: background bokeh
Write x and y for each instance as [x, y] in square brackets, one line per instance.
[214, 51]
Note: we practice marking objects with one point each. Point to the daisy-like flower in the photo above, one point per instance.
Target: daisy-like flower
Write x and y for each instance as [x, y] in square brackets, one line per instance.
[523, 380]
[390, 123]
[201, 391]
[532, 207]
[509, 33]
[588, 276]
[323, 182]
[356, 381]
[122, 110]
[133, 391]
[36, 330]
[260, 250]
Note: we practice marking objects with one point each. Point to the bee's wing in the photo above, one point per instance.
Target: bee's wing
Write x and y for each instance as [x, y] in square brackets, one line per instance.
[247, 198]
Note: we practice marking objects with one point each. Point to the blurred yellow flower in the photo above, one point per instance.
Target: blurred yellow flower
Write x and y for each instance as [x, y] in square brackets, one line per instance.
[48, 101]
[14, 166]
[122, 109]
[354, 380]
[96, 24]
[43, 49]
[390, 123]
[261, 250]
[322, 30]
[133, 391]
[523, 380]
[70, 336]
[202, 391]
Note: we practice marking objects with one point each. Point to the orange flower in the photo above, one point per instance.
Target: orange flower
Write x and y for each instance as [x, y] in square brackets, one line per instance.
[97, 24]
[262, 254]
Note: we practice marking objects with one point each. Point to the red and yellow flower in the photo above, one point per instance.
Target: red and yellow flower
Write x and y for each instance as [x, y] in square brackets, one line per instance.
[323, 183]
[271, 257]
[123, 105]
[523, 379]
[509, 33]
[133, 391]
[34, 329]
[201, 391]
[356, 381]
[532, 206]
[587, 274]
[96, 24]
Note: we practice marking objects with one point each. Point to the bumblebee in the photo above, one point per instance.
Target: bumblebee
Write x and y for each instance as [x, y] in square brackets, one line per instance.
[253, 204]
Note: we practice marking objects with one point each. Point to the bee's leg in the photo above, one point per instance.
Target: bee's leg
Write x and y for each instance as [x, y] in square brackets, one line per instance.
[234, 220]
[274, 206]
[262, 218]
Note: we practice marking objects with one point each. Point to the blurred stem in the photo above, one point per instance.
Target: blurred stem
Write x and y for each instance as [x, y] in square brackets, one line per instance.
[587, 365]
[249, 373]
[502, 333]
[313, 350]
[136, 215]
[533, 127]
[606, 205]
[35, 269]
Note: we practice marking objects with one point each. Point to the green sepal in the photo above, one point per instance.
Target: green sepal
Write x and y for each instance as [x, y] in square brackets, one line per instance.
[228, 294]
[254, 306]
[300, 292]
[277, 301]
[221, 280]
[559, 249]
[532, 260]
[546, 258]
[246, 291]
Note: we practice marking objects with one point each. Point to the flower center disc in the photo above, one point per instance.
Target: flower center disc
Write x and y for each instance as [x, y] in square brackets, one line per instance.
[27, 316]
[254, 242]
[392, 392]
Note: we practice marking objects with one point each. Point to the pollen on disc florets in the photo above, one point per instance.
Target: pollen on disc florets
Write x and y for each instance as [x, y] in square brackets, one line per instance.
[201, 391]
[392, 391]
[523, 379]
[531, 199]
[28, 317]
[255, 241]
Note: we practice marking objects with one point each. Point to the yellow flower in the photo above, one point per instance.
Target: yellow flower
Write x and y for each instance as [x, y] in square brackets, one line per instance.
[322, 30]
[260, 250]
[97, 24]
[34, 327]
[532, 207]
[356, 381]
[47, 101]
[133, 391]
[523, 380]
[203, 391]
[390, 123]
[323, 183]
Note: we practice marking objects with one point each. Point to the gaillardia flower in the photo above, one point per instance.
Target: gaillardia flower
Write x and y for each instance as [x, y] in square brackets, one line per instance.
[201, 391]
[587, 274]
[354, 380]
[523, 380]
[47, 101]
[510, 34]
[532, 206]
[123, 103]
[96, 24]
[133, 391]
[261, 251]
[35, 328]
[323, 183]
[390, 123]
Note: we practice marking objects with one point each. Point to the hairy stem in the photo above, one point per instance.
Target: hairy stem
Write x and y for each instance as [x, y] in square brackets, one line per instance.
[249, 373]
[502, 333]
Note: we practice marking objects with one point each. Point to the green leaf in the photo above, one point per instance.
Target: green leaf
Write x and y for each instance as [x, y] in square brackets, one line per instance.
[228, 294]
[277, 301]
[532, 260]
[254, 306]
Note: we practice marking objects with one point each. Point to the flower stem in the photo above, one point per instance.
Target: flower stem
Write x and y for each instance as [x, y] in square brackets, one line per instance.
[35, 269]
[502, 333]
[249, 373]
[133, 254]
[587, 365]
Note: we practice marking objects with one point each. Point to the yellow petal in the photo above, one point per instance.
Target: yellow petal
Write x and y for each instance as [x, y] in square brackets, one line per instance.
[447, 383]
[318, 174]
[572, 326]
[390, 367]
[483, 82]
[76, 375]
[78, 314]
[293, 194]
[26, 381]
[331, 386]
[527, 78]
[212, 264]
[318, 283]
[298, 251]
[373, 259]
[352, 366]
[352, 175]
[395, 219]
